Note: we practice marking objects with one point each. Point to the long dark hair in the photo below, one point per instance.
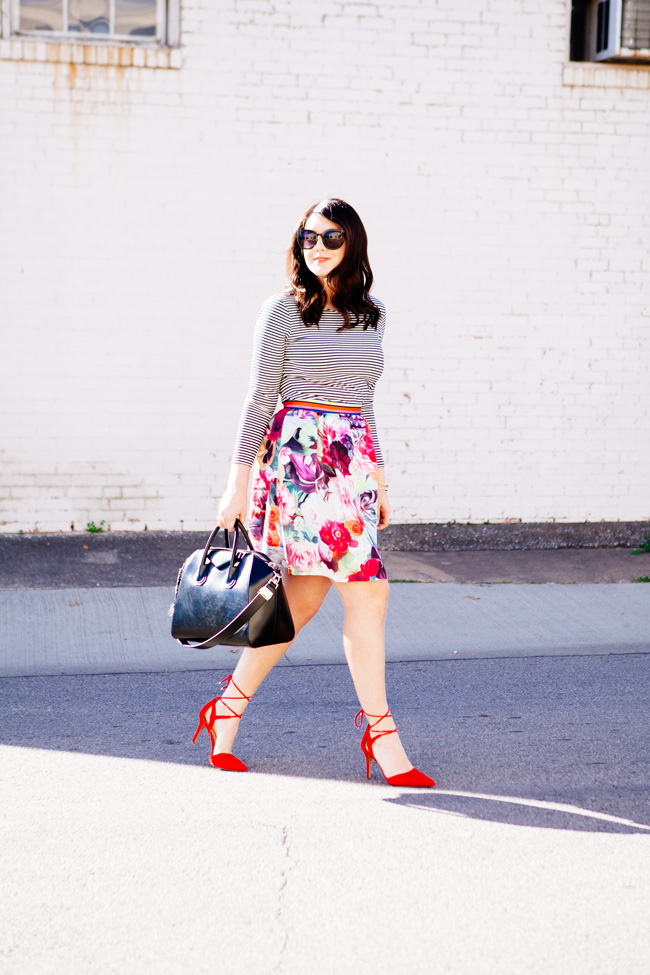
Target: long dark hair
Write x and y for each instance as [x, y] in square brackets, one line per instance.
[350, 282]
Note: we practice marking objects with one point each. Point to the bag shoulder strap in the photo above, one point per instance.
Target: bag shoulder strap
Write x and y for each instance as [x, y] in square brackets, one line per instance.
[263, 595]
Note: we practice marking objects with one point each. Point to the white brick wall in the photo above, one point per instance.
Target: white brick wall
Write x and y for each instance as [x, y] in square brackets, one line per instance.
[144, 215]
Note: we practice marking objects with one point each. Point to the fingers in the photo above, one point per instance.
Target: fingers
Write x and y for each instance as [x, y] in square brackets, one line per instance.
[227, 521]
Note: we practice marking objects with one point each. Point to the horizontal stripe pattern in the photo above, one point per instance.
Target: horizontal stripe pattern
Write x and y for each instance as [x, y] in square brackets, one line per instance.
[315, 364]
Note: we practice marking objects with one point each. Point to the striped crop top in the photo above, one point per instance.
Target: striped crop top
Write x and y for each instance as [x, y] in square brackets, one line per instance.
[316, 364]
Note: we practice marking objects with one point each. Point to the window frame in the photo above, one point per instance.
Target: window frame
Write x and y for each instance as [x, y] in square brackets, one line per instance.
[586, 22]
[167, 38]
[610, 23]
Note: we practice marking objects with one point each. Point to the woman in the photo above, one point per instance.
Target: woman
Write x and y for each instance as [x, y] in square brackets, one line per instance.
[319, 492]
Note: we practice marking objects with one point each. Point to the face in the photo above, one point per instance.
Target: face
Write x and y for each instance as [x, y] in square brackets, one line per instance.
[319, 259]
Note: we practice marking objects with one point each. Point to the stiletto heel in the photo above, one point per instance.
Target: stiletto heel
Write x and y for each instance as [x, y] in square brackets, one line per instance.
[413, 778]
[207, 717]
[368, 757]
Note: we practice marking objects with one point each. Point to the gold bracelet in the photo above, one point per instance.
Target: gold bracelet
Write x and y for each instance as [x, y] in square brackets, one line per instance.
[382, 485]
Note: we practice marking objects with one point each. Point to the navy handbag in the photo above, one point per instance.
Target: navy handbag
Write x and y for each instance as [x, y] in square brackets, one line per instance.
[230, 595]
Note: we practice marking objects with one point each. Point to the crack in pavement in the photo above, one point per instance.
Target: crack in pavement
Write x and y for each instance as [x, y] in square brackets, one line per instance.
[284, 881]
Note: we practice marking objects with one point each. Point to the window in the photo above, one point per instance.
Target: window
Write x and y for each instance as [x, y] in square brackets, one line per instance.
[82, 20]
[610, 30]
[138, 33]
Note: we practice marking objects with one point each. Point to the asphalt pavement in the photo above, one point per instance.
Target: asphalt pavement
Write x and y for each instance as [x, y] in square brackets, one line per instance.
[124, 851]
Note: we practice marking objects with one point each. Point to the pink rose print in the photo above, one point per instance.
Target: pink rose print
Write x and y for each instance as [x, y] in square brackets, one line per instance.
[286, 505]
[337, 538]
[367, 447]
[372, 569]
[365, 459]
[260, 490]
[302, 556]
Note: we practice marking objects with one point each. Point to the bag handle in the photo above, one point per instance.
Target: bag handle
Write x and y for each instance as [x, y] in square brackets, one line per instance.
[263, 595]
[202, 574]
[232, 569]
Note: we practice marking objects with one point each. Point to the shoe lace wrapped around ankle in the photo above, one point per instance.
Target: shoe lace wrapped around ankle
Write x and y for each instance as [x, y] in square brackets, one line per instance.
[358, 721]
[225, 683]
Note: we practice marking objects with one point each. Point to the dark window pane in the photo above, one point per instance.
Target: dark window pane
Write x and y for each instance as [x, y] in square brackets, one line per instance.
[136, 17]
[88, 16]
[602, 26]
[579, 11]
[42, 15]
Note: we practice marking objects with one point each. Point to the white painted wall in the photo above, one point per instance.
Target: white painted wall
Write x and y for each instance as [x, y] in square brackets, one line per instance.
[144, 215]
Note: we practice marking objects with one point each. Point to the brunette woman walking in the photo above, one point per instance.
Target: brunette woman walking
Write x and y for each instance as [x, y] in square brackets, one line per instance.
[319, 492]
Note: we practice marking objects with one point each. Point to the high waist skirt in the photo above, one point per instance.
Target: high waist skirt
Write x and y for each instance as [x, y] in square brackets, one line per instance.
[314, 495]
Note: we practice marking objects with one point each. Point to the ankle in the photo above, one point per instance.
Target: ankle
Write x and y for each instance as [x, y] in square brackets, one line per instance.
[230, 708]
[233, 700]
[378, 720]
[225, 733]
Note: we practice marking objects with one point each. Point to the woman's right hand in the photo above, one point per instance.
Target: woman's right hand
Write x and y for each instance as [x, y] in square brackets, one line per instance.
[231, 507]
[234, 501]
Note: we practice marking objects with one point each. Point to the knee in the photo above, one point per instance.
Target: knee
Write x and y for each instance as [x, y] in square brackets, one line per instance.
[379, 590]
[372, 597]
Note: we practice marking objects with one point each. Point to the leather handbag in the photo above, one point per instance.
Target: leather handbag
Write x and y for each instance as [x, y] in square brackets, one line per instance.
[232, 596]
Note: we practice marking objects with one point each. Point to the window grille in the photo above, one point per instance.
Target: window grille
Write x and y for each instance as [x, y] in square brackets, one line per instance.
[84, 21]
[635, 28]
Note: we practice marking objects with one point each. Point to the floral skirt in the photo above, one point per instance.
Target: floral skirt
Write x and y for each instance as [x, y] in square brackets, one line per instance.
[314, 497]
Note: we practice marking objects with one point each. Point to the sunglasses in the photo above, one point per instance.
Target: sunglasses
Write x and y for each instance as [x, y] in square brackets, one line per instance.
[332, 239]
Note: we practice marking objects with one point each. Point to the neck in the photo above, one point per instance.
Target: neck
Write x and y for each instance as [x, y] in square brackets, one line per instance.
[328, 295]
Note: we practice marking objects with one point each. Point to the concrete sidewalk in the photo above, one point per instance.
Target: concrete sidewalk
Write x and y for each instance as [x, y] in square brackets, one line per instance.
[85, 604]
[126, 630]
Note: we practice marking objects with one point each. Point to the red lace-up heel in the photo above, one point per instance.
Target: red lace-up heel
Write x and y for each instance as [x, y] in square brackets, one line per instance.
[412, 778]
[207, 718]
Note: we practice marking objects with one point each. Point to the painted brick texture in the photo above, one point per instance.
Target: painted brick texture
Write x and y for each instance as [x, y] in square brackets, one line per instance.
[145, 214]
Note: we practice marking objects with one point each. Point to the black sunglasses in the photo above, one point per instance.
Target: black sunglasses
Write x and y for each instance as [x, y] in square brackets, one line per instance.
[332, 239]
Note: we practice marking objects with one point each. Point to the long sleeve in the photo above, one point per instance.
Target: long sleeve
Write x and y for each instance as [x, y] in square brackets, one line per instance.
[265, 378]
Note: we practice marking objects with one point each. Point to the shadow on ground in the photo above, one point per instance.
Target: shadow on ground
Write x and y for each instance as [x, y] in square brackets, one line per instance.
[498, 735]
[520, 812]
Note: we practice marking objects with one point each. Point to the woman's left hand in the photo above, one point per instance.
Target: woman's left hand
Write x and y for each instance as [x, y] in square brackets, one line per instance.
[384, 509]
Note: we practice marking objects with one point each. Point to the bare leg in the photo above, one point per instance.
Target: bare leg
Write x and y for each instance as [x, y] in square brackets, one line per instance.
[363, 640]
[305, 595]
